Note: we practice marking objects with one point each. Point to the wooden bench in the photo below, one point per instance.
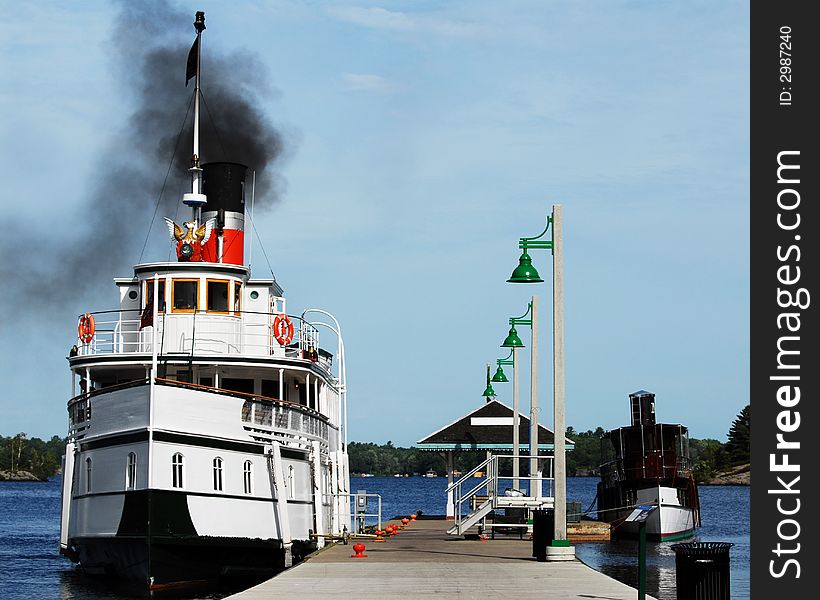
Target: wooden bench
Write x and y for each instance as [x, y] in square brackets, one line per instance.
[514, 519]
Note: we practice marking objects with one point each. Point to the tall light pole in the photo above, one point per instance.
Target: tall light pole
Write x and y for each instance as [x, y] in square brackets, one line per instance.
[526, 273]
[500, 377]
[558, 374]
[513, 341]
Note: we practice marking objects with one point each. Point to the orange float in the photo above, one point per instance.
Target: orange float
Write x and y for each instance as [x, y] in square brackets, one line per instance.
[86, 328]
[283, 329]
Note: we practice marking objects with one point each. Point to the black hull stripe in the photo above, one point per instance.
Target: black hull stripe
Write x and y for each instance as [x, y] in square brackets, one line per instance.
[115, 440]
[200, 494]
[186, 440]
[206, 442]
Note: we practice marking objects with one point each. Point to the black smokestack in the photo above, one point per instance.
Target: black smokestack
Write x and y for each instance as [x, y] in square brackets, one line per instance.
[150, 45]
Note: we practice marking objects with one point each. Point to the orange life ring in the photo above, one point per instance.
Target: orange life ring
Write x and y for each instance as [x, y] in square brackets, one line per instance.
[86, 328]
[283, 329]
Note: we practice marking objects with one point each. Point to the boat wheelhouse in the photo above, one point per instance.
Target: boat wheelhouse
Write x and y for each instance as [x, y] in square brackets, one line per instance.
[206, 424]
[648, 463]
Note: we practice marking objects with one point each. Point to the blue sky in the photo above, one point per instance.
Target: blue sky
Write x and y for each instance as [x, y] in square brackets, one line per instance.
[422, 140]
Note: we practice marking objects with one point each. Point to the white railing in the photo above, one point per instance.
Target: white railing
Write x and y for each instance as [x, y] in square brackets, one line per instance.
[474, 494]
[120, 332]
[361, 503]
[271, 417]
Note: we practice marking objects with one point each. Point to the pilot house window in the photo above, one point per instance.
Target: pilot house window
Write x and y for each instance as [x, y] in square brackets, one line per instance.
[186, 295]
[237, 298]
[149, 294]
[217, 296]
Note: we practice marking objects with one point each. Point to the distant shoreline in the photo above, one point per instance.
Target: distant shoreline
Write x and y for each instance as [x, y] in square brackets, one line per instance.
[19, 476]
[740, 475]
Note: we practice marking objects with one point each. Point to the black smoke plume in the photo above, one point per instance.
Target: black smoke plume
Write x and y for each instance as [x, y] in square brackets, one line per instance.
[149, 45]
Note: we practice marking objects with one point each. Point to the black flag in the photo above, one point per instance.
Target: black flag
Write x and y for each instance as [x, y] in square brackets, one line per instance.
[190, 71]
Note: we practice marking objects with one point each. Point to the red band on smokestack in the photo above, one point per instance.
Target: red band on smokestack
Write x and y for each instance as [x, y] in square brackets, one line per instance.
[233, 247]
[224, 185]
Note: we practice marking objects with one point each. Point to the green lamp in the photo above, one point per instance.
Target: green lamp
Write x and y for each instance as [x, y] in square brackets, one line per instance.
[512, 340]
[500, 376]
[489, 392]
[525, 272]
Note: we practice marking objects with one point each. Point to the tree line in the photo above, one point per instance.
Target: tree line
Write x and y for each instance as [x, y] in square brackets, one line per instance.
[38, 457]
[709, 456]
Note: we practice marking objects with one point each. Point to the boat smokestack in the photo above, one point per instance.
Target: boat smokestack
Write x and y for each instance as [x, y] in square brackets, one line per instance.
[642, 408]
[224, 185]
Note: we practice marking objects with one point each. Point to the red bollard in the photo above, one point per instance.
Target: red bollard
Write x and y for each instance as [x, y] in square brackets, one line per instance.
[413, 517]
[404, 522]
[379, 534]
[394, 529]
[359, 550]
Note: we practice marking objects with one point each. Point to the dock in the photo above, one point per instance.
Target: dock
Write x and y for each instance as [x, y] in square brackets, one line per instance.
[422, 560]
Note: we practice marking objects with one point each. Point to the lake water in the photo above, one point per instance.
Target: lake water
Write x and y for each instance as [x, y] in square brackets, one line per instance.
[30, 566]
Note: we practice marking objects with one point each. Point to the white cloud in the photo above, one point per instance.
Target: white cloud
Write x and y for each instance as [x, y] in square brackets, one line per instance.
[365, 82]
[381, 18]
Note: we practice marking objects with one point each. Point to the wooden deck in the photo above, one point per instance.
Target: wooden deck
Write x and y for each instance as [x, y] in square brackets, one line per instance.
[423, 560]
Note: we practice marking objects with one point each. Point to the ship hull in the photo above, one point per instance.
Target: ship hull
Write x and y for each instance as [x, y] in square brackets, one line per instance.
[166, 562]
[669, 521]
[157, 544]
[665, 524]
[231, 508]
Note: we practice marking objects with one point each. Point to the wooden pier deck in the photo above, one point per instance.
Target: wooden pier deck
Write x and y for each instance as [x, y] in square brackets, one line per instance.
[423, 561]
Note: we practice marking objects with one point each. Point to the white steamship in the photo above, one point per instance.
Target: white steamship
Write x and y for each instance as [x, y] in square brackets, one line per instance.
[206, 424]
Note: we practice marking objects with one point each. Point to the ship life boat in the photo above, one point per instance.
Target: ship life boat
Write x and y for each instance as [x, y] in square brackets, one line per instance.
[648, 464]
[206, 425]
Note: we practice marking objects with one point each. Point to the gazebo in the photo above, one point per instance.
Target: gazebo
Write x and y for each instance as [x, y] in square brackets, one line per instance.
[489, 428]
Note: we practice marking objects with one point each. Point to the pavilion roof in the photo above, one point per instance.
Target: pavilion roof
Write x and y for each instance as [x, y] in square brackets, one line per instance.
[489, 427]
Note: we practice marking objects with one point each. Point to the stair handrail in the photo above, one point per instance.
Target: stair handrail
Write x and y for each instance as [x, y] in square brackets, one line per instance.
[470, 473]
[490, 466]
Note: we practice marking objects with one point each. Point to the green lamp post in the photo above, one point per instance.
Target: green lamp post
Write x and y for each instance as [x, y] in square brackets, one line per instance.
[489, 392]
[514, 342]
[501, 377]
[526, 273]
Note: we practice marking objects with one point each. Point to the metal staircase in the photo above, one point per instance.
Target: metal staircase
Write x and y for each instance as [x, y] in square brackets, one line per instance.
[475, 497]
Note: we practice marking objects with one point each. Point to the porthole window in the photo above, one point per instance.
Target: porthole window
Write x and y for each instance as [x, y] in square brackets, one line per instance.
[133, 294]
[254, 295]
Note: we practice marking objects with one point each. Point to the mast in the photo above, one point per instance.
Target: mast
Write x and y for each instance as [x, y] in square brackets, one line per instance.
[196, 198]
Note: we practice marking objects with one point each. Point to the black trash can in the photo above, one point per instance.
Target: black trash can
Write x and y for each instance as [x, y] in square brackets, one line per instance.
[543, 532]
[702, 570]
